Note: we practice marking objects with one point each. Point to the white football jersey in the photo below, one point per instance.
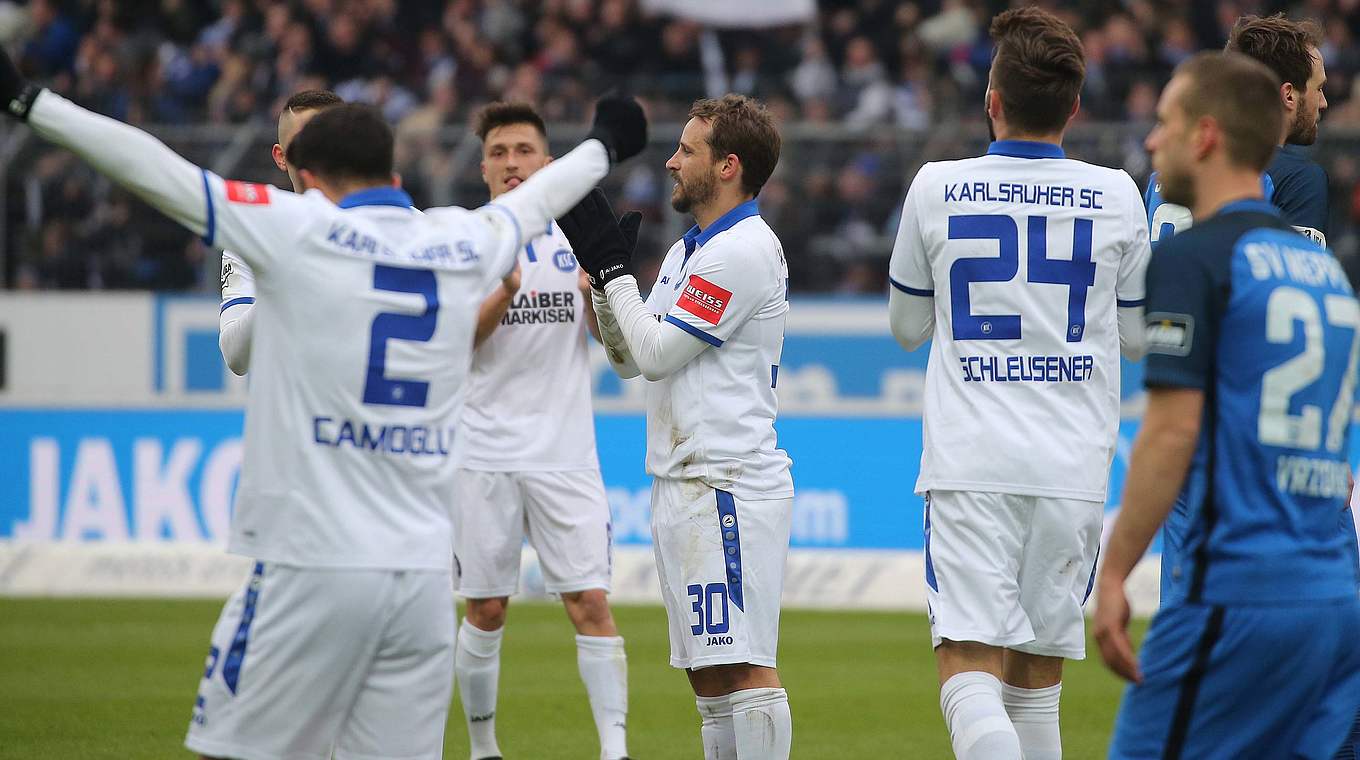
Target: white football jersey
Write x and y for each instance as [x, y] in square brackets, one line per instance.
[713, 419]
[238, 282]
[363, 334]
[1027, 255]
[528, 404]
[363, 341]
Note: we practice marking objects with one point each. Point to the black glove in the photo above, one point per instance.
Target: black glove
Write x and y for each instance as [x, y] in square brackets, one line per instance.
[16, 93]
[621, 126]
[602, 243]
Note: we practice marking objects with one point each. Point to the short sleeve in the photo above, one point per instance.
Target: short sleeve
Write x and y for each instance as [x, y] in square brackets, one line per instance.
[909, 268]
[1302, 197]
[1184, 300]
[238, 281]
[1130, 289]
[723, 290]
[259, 223]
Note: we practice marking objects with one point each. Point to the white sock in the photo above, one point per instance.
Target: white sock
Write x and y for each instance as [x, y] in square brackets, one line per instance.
[604, 669]
[477, 667]
[761, 723]
[1034, 713]
[978, 725]
[719, 741]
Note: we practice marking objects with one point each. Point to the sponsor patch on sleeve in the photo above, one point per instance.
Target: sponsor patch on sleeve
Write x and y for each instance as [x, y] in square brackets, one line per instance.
[1312, 234]
[249, 193]
[1170, 334]
[704, 300]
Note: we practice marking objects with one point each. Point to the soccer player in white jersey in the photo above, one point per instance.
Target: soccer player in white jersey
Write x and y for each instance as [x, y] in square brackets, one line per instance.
[341, 644]
[708, 340]
[238, 282]
[1027, 270]
[529, 466]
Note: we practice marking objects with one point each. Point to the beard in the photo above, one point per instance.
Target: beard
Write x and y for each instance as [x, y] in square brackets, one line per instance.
[1303, 131]
[1177, 189]
[697, 192]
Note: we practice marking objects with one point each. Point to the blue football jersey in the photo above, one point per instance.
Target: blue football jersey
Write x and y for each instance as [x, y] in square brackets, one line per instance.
[1265, 322]
[1293, 182]
[1300, 191]
[1167, 219]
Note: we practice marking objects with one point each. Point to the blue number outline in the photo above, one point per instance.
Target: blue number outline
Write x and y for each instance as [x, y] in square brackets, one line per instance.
[378, 387]
[1077, 273]
[965, 271]
[721, 590]
[696, 592]
[701, 604]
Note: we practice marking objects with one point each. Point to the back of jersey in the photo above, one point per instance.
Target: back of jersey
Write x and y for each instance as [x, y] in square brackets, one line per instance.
[360, 357]
[1027, 255]
[1265, 321]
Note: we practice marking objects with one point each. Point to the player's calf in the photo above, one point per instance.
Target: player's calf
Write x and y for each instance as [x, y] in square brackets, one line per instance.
[1031, 692]
[603, 664]
[745, 705]
[477, 668]
[971, 698]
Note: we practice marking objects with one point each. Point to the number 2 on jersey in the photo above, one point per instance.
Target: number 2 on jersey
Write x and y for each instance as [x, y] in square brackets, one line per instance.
[1077, 273]
[1275, 426]
[378, 387]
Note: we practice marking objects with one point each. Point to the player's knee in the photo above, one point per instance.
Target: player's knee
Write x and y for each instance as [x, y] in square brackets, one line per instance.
[589, 611]
[487, 614]
[719, 680]
[954, 657]
[1032, 671]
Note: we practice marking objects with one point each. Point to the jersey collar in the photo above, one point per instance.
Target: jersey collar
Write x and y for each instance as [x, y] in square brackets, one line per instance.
[696, 237]
[377, 196]
[1248, 205]
[1025, 149]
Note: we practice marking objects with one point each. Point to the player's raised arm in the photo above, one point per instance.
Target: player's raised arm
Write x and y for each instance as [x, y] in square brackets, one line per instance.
[619, 132]
[125, 154]
[146, 167]
[911, 300]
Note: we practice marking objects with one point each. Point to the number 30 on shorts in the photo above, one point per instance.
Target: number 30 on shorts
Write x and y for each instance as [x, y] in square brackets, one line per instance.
[706, 600]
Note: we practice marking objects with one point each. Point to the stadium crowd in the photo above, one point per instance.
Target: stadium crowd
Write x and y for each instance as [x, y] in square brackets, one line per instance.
[879, 87]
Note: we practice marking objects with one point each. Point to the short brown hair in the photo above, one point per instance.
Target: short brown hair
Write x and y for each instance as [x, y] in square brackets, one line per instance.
[1283, 45]
[1243, 96]
[742, 126]
[1039, 67]
[312, 100]
[501, 114]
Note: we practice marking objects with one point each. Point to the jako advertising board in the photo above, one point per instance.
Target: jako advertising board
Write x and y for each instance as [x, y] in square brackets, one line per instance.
[120, 429]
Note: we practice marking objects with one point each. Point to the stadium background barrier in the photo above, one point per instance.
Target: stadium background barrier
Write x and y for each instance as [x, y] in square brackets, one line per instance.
[834, 198]
[120, 446]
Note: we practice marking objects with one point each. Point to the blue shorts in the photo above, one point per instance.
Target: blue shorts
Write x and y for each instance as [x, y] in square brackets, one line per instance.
[1245, 681]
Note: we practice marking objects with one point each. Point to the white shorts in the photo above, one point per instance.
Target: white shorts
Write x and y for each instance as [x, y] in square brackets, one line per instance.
[313, 664]
[565, 516]
[1011, 571]
[720, 561]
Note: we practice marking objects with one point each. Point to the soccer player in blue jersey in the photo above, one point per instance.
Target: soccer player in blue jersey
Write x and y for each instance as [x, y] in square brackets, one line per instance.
[1293, 181]
[1253, 341]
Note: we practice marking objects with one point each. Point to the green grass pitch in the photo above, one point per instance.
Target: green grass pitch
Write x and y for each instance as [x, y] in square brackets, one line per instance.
[116, 679]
